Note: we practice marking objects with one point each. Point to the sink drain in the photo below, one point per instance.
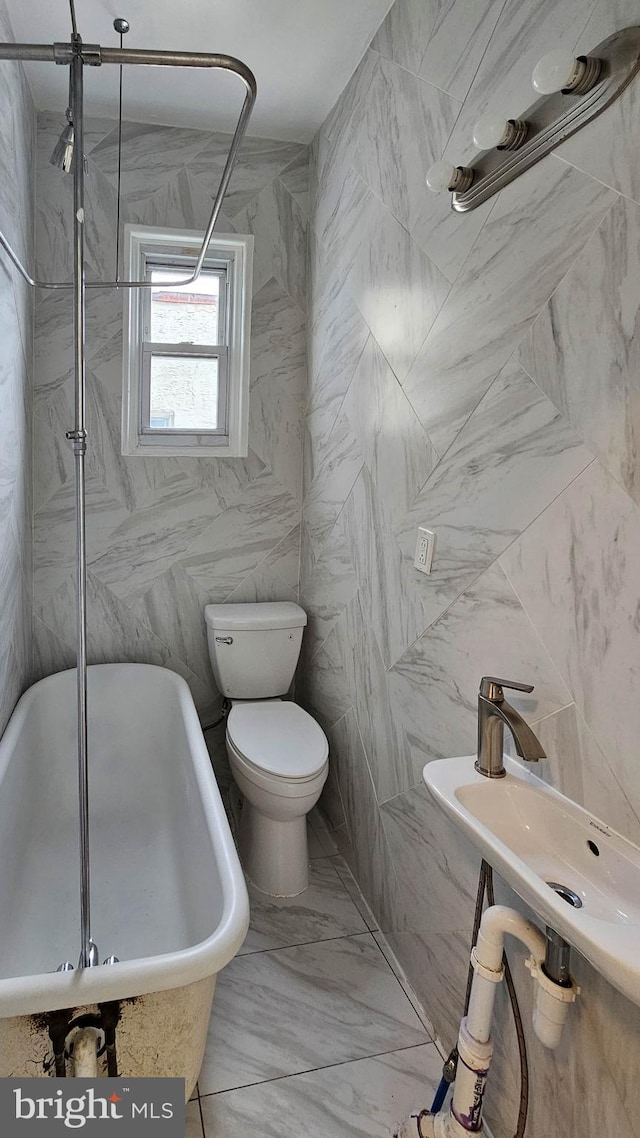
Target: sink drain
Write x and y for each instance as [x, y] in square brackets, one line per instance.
[567, 894]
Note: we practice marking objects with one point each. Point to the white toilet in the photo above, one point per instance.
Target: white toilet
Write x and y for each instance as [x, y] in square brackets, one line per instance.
[277, 752]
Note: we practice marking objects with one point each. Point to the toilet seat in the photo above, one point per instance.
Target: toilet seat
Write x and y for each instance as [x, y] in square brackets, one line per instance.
[277, 739]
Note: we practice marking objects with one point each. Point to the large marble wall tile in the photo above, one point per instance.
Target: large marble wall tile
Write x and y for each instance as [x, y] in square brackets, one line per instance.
[239, 539]
[227, 478]
[574, 571]
[114, 635]
[12, 683]
[182, 203]
[343, 120]
[333, 460]
[295, 179]
[368, 1096]
[392, 660]
[262, 584]
[278, 341]
[275, 432]
[341, 994]
[53, 343]
[259, 162]
[391, 603]
[364, 676]
[534, 232]
[441, 40]
[434, 686]
[284, 560]
[147, 542]
[396, 287]
[398, 454]
[337, 335]
[171, 608]
[434, 873]
[445, 236]
[279, 226]
[404, 129]
[325, 688]
[341, 216]
[602, 148]
[436, 964]
[367, 853]
[131, 481]
[513, 456]
[584, 348]
[54, 532]
[151, 156]
[54, 258]
[327, 582]
[50, 654]
[578, 767]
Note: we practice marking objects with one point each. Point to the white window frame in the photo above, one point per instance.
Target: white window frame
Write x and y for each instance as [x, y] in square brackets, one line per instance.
[232, 254]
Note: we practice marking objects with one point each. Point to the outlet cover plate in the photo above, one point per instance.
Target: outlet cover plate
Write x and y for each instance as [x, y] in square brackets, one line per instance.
[425, 544]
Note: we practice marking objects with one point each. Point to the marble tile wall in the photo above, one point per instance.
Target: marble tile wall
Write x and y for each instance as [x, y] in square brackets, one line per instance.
[17, 189]
[478, 374]
[167, 536]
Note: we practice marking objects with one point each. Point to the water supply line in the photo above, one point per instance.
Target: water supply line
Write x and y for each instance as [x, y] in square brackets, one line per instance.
[450, 1066]
[475, 1047]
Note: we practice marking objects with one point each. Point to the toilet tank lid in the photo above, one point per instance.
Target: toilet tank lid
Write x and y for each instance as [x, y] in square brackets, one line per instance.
[255, 617]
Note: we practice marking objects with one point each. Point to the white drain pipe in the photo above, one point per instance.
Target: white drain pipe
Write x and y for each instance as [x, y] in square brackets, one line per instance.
[85, 1053]
[475, 1047]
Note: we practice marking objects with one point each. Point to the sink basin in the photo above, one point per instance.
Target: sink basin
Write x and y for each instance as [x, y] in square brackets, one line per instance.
[576, 873]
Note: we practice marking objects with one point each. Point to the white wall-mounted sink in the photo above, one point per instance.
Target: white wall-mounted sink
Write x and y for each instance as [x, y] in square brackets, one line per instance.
[534, 835]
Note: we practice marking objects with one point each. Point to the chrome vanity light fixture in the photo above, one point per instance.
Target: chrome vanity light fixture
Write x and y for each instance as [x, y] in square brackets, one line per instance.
[573, 90]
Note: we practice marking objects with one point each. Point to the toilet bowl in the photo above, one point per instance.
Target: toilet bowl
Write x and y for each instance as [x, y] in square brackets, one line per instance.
[277, 752]
[279, 759]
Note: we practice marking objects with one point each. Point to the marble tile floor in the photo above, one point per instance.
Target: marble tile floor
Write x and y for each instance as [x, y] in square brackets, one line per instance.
[313, 1032]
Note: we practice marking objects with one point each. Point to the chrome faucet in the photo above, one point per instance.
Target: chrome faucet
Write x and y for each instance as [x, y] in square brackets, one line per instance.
[493, 713]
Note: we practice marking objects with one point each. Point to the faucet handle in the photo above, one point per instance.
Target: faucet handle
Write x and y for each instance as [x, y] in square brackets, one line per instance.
[491, 688]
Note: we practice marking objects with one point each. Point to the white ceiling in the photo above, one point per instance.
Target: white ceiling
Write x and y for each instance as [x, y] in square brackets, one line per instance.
[301, 51]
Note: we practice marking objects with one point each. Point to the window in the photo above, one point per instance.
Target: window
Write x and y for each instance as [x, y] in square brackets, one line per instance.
[186, 347]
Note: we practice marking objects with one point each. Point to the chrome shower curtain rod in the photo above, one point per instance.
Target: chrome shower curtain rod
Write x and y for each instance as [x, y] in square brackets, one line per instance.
[93, 55]
[78, 55]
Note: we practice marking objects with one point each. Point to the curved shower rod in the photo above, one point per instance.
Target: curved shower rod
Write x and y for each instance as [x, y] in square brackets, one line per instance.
[95, 56]
[78, 55]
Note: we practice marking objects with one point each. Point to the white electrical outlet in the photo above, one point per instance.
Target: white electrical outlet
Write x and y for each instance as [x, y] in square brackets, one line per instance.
[425, 543]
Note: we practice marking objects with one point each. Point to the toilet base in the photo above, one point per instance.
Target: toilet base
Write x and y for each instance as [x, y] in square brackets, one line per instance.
[274, 854]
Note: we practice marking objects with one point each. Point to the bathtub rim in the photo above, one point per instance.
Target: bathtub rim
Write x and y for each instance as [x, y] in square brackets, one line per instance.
[50, 991]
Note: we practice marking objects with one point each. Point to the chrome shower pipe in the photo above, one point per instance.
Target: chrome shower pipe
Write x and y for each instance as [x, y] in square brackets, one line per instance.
[78, 438]
[77, 56]
[94, 55]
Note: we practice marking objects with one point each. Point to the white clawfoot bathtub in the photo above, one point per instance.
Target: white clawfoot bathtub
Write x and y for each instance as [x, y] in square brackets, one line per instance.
[168, 895]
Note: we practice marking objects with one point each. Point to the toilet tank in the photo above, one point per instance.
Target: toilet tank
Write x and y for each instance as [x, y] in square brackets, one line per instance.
[254, 648]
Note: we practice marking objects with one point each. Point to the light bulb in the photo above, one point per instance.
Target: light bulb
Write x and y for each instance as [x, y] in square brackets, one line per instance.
[561, 70]
[489, 131]
[493, 131]
[445, 176]
[441, 176]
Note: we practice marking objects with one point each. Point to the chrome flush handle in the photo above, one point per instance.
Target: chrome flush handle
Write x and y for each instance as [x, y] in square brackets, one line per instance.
[224, 639]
